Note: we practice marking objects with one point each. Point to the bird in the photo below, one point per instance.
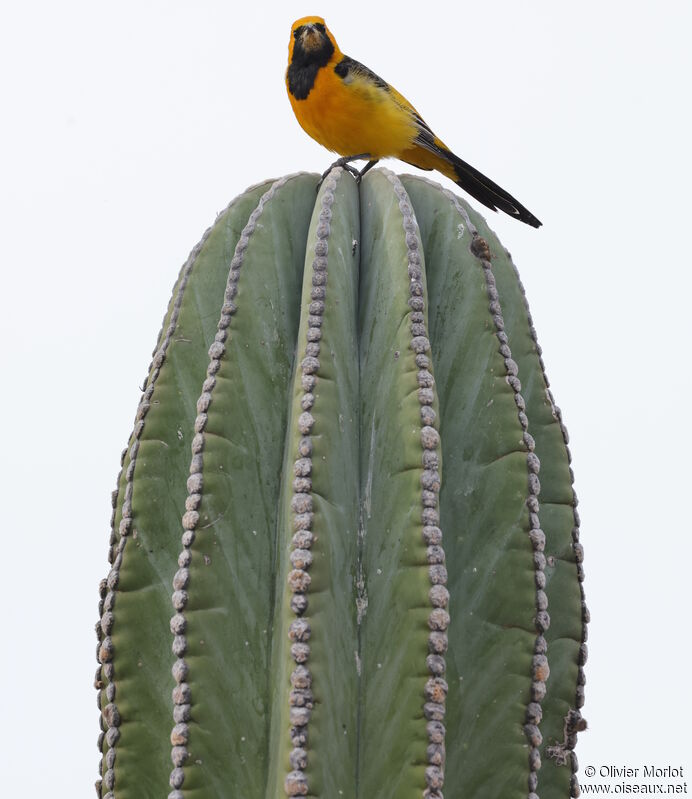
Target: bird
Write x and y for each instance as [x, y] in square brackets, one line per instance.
[353, 112]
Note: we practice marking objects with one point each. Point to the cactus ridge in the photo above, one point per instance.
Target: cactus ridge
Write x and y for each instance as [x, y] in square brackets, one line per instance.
[110, 714]
[119, 534]
[540, 666]
[182, 698]
[436, 688]
[299, 631]
[564, 752]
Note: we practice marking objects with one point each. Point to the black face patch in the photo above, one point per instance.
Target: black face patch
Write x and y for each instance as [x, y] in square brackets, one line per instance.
[349, 66]
[305, 64]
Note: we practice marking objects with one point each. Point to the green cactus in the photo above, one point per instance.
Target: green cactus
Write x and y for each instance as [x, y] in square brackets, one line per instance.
[344, 623]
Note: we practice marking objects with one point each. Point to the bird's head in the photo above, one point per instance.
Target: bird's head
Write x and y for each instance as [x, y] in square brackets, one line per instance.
[311, 42]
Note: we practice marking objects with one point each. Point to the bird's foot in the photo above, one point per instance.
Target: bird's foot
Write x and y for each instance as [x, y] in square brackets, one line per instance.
[344, 163]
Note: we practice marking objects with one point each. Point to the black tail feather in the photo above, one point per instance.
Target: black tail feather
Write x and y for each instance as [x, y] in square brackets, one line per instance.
[487, 192]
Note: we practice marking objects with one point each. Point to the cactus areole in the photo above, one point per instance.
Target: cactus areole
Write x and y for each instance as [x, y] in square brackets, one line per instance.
[334, 571]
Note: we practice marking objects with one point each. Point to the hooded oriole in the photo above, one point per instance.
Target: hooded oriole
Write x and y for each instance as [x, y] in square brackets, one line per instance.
[351, 111]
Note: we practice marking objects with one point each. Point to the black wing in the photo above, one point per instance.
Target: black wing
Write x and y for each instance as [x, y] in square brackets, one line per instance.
[348, 69]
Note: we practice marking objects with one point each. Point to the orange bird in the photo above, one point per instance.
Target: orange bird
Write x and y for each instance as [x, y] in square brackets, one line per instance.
[350, 110]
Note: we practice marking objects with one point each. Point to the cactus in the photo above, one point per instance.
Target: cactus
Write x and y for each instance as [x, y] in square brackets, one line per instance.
[348, 617]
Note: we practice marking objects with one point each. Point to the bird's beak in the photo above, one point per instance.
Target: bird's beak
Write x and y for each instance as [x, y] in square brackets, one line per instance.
[310, 37]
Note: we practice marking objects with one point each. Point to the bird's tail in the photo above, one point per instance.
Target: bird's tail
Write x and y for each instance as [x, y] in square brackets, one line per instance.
[485, 190]
[436, 156]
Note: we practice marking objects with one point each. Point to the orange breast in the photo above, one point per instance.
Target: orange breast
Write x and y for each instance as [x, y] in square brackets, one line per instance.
[353, 118]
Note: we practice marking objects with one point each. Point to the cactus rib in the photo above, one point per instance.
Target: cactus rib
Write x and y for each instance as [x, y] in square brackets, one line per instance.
[496, 459]
[180, 733]
[398, 564]
[540, 668]
[301, 696]
[318, 520]
[110, 713]
[563, 752]
[436, 688]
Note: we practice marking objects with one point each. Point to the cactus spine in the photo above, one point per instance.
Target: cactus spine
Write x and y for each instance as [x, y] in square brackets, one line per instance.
[349, 618]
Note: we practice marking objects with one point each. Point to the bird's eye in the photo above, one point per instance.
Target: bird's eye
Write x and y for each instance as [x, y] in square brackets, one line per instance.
[297, 32]
[320, 27]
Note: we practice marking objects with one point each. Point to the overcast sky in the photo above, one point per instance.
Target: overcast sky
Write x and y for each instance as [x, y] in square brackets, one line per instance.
[126, 127]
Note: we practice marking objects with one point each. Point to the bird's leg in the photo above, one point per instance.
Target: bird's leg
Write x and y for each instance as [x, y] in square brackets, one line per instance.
[344, 162]
[366, 168]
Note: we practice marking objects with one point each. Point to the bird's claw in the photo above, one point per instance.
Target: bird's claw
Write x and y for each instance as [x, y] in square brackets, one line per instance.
[344, 163]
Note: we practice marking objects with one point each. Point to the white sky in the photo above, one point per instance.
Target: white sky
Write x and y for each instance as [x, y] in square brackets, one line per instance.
[126, 127]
